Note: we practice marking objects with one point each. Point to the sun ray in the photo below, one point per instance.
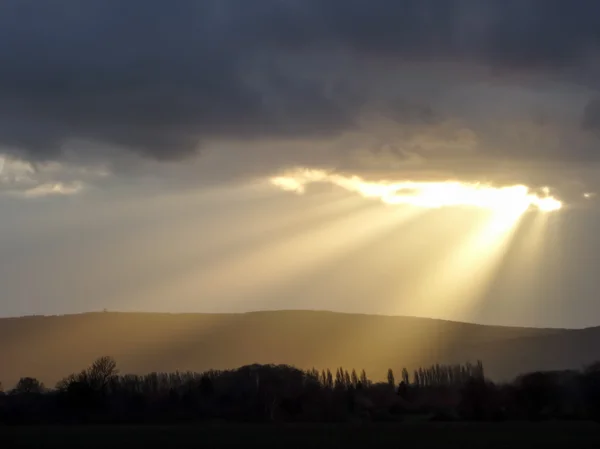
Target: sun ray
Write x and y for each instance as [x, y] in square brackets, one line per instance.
[455, 283]
[457, 275]
[243, 234]
[237, 277]
[345, 267]
[520, 278]
[326, 228]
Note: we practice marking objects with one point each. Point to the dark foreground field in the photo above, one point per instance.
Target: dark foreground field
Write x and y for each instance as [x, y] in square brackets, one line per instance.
[447, 435]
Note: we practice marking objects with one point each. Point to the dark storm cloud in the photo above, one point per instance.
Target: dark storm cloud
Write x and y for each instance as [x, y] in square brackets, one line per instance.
[163, 78]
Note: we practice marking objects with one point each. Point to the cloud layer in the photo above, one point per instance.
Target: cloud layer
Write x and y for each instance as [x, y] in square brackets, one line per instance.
[450, 84]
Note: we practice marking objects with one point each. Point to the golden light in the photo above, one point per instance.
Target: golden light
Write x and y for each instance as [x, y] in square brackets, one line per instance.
[450, 236]
[458, 275]
[425, 194]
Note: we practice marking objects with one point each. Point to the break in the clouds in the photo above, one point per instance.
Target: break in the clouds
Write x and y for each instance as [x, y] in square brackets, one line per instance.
[31, 179]
[464, 86]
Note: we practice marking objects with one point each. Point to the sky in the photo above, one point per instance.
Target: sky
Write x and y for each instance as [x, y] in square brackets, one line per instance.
[157, 156]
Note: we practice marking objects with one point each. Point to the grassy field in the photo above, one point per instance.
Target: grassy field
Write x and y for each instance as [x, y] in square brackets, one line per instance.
[310, 436]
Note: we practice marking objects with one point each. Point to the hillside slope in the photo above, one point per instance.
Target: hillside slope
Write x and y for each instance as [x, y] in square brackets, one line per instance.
[51, 347]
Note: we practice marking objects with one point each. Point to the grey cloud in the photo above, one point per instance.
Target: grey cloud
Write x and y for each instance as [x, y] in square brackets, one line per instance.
[591, 116]
[25, 179]
[166, 78]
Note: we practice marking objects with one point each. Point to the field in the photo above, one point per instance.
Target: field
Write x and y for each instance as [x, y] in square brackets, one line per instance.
[310, 436]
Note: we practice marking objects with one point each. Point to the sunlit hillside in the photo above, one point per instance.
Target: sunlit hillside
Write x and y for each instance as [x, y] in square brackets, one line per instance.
[52, 347]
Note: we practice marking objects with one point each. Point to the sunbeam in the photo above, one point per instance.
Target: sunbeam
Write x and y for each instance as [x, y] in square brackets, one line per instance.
[457, 278]
[522, 280]
[279, 260]
[454, 281]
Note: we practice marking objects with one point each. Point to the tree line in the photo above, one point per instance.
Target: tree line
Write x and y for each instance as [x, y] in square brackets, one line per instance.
[282, 393]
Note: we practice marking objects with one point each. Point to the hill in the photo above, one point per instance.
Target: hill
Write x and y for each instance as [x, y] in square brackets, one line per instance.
[51, 347]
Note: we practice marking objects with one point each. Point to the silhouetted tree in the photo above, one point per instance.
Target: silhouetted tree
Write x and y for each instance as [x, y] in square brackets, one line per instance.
[390, 378]
[339, 379]
[402, 390]
[478, 401]
[100, 374]
[323, 378]
[416, 378]
[98, 394]
[206, 386]
[591, 389]
[347, 379]
[28, 385]
[329, 379]
[405, 377]
[537, 392]
[363, 378]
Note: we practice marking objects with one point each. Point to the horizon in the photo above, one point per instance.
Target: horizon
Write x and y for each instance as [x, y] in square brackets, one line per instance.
[141, 312]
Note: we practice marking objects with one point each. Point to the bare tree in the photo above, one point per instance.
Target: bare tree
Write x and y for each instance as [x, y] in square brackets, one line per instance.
[63, 384]
[102, 371]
